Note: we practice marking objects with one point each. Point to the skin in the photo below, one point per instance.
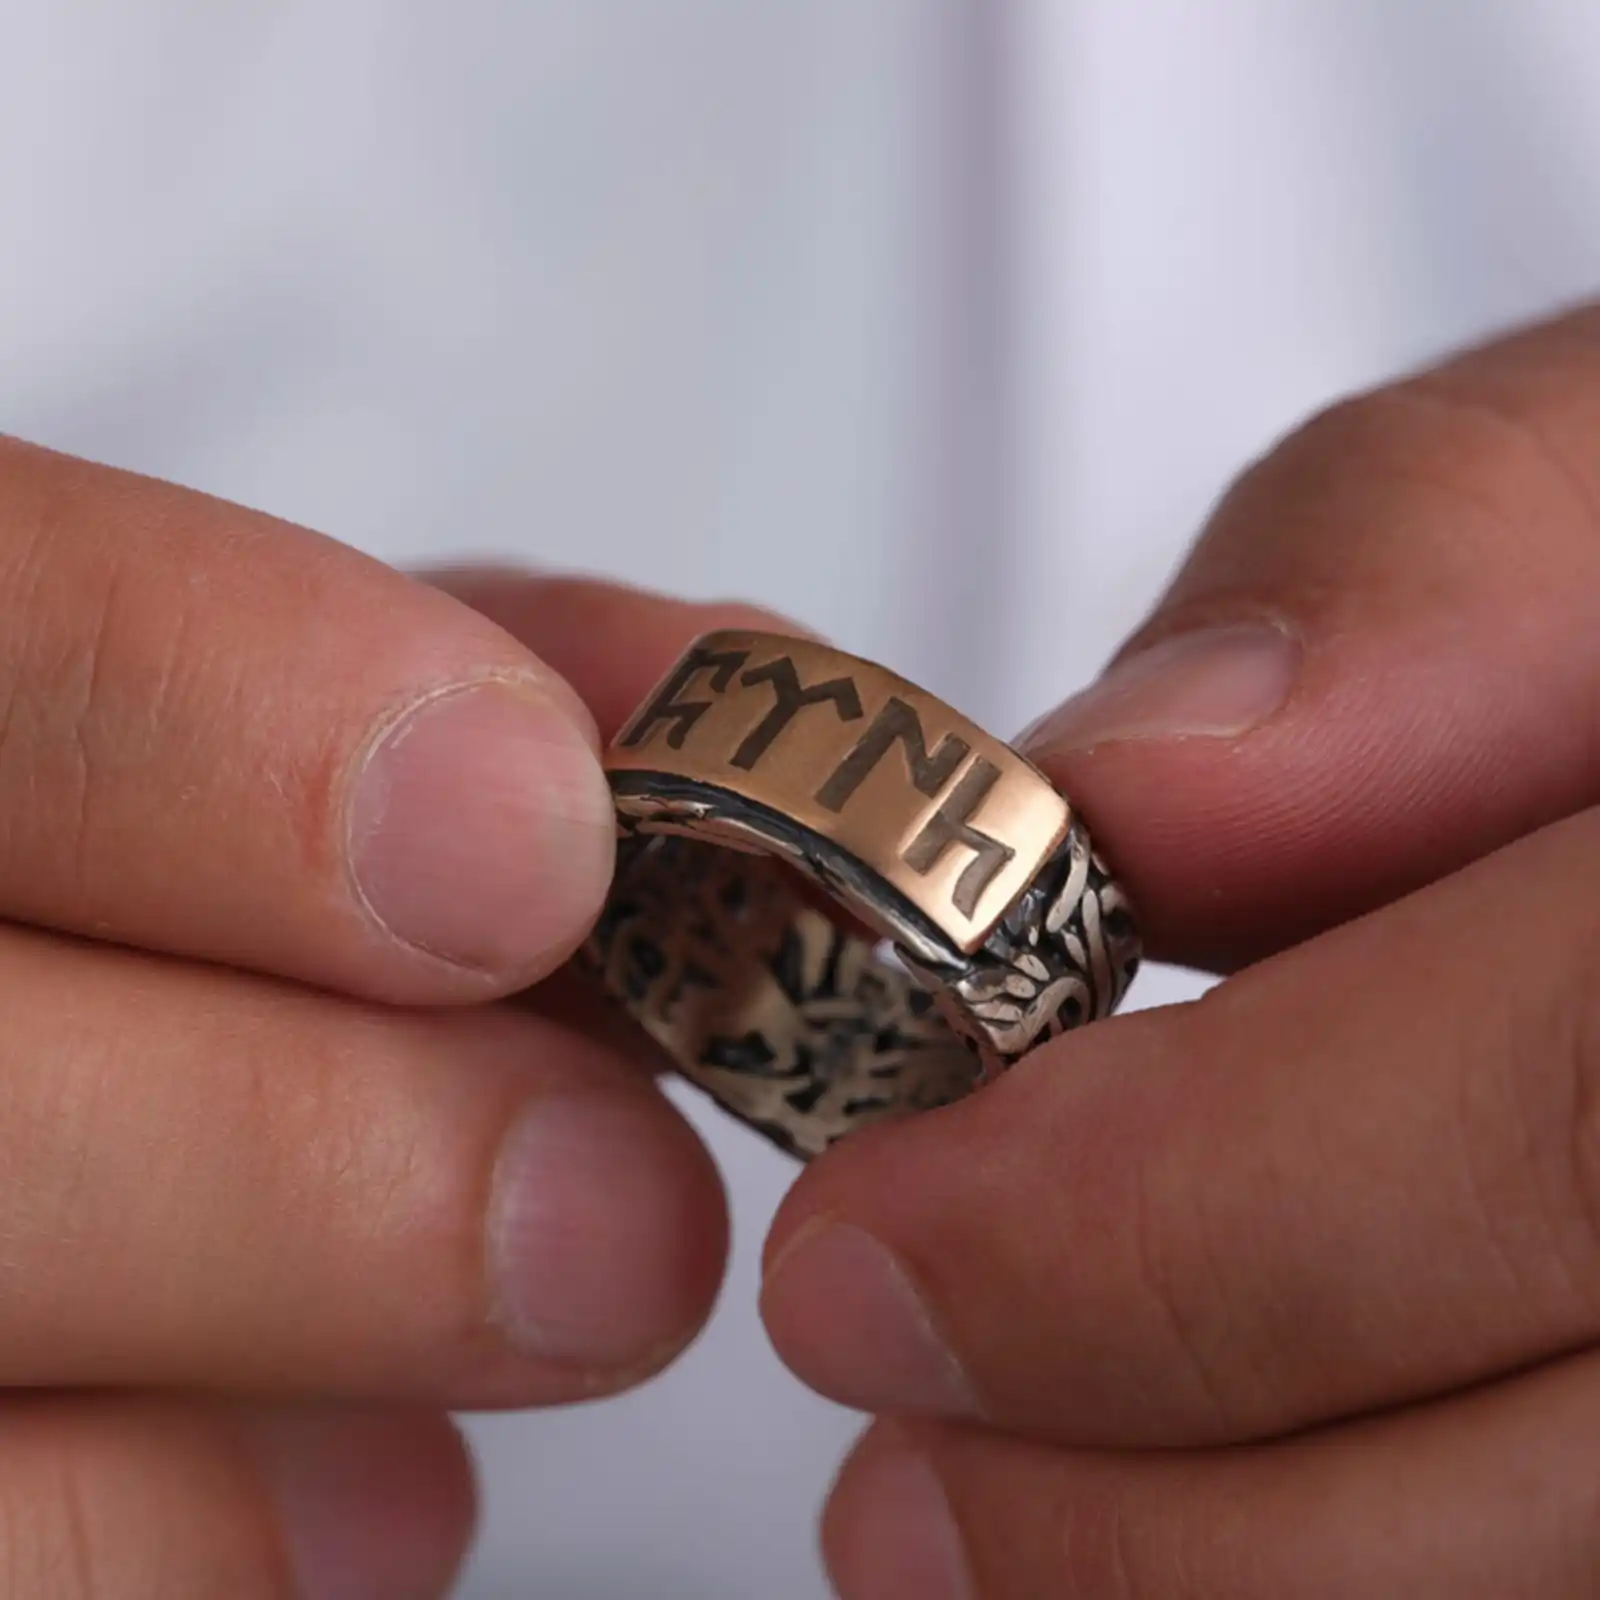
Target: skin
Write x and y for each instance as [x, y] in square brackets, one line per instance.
[1293, 1291]
[1289, 1292]
[281, 1179]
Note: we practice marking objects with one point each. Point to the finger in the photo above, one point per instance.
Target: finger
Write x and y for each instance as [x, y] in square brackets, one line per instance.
[209, 1180]
[614, 644]
[610, 642]
[142, 1501]
[1379, 662]
[229, 738]
[1361, 1173]
[1487, 1497]
[576, 998]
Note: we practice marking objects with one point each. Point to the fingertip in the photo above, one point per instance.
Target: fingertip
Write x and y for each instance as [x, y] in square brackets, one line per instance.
[610, 641]
[1210, 683]
[372, 1505]
[481, 831]
[846, 1317]
[887, 1529]
[1181, 751]
[607, 1233]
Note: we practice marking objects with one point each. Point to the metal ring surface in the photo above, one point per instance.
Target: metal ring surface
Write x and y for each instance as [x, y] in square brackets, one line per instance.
[760, 753]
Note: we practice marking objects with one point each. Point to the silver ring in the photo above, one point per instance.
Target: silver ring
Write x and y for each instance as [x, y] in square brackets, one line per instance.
[978, 922]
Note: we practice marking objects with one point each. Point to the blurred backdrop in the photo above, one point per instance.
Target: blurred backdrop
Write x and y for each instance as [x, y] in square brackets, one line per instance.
[935, 323]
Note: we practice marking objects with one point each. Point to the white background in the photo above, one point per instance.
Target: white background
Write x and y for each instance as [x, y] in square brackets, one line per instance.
[937, 323]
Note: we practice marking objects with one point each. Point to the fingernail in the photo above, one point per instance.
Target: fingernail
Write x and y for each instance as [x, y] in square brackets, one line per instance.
[1219, 682]
[481, 828]
[594, 1232]
[372, 1506]
[899, 1539]
[844, 1315]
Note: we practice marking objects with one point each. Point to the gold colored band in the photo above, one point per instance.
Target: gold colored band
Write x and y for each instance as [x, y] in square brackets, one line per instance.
[1005, 926]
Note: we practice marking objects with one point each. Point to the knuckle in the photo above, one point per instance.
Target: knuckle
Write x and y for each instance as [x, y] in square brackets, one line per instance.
[1527, 1121]
[88, 1514]
[143, 622]
[1182, 1272]
[1112, 1554]
[344, 1158]
[1442, 480]
[1503, 447]
[46, 1546]
[1439, 436]
[1572, 1039]
[90, 654]
[366, 1181]
[1406, 460]
[1103, 1554]
[1177, 1309]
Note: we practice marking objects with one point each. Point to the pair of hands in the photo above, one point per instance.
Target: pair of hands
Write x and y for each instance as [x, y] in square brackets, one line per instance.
[1289, 1292]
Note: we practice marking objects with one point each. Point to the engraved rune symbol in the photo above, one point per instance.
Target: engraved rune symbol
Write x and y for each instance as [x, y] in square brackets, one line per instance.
[683, 714]
[791, 698]
[898, 723]
[949, 825]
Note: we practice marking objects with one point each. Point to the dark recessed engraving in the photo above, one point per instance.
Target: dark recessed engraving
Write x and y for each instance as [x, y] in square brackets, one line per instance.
[645, 964]
[807, 1098]
[949, 825]
[898, 724]
[792, 697]
[683, 714]
[752, 1052]
[866, 1105]
[788, 1019]
[789, 966]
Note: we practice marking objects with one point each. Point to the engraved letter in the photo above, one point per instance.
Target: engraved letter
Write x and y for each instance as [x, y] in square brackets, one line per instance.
[949, 825]
[683, 714]
[792, 699]
[896, 723]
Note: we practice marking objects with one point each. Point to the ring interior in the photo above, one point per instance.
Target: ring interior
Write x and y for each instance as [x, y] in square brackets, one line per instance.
[797, 1024]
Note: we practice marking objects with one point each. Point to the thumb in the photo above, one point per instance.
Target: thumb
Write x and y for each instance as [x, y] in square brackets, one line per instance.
[1381, 660]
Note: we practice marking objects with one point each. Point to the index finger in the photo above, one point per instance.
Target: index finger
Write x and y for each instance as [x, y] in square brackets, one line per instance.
[230, 738]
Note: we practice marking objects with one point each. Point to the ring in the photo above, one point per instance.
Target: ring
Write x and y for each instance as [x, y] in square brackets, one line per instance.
[973, 918]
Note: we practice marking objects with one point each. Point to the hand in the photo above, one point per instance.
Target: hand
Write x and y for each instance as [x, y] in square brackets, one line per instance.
[260, 1224]
[1292, 1292]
